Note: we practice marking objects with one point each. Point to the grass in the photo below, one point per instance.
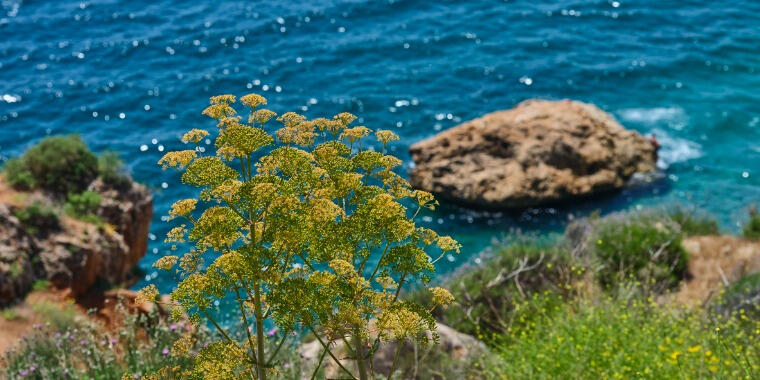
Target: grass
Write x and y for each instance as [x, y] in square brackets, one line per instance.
[491, 298]
[692, 222]
[83, 206]
[59, 317]
[81, 349]
[41, 284]
[9, 314]
[615, 338]
[644, 247]
[37, 218]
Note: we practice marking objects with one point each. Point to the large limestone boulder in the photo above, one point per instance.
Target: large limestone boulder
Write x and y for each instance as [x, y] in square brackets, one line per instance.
[540, 152]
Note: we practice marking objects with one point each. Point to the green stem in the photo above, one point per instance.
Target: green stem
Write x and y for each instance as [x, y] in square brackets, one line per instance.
[259, 333]
[330, 353]
[395, 359]
[245, 322]
[319, 364]
[360, 355]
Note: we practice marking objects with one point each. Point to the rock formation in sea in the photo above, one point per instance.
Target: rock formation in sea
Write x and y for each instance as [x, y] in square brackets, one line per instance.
[540, 152]
[68, 252]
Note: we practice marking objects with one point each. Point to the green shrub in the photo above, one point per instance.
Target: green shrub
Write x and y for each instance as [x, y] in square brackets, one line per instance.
[613, 339]
[693, 222]
[499, 295]
[18, 176]
[741, 298]
[85, 350]
[639, 247]
[111, 171]
[752, 228]
[59, 164]
[83, 206]
[59, 317]
[37, 218]
[9, 314]
[41, 284]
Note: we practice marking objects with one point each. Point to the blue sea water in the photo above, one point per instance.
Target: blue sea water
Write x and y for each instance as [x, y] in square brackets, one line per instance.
[132, 76]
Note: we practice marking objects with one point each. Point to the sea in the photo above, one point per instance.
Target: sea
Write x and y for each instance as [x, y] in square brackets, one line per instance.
[132, 76]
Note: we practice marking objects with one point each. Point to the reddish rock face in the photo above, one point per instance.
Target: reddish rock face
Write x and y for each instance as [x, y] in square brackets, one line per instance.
[75, 254]
[537, 153]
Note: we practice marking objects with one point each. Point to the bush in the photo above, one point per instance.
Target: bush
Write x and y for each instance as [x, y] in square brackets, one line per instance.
[741, 298]
[84, 203]
[634, 339]
[37, 218]
[752, 228]
[640, 247]
[111, 171]
[494, 297]
[82, 349]
[9, 314]
[84, 207]
[693, 222]
[41, 284]
[18, 176]
[59, 164]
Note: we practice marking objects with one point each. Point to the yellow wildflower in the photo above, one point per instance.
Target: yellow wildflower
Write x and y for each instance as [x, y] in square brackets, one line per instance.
[147, 294]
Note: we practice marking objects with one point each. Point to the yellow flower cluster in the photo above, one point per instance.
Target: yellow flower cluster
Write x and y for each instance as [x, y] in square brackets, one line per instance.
[222, 99]
[343, 268]
[441, 297]
[446, 243]
[176, 234]
[147, 294]
[166, 262]
[181, 346]
[194, 135]
[253, 100]
[355, 133]
[400, 324]
[385, 136]
[178, 159]
[345, 118]
[182, 207]
[261, 116]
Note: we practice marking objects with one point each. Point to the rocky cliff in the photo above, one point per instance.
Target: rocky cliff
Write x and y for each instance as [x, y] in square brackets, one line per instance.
[68, 252]
[537, 153]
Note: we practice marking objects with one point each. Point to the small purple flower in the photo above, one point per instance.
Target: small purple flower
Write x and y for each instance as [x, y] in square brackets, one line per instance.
[114, 340]
[57, 334]
[272, 331]
[23, 372]
[32, 368]
[83, 342]
[286, 365]
[173, 327]
[165, 351]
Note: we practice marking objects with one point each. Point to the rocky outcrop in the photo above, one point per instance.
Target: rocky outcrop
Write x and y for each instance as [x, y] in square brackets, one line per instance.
[715, 262]
[456, 349]
[74, 254]
[129, 210]
[16, 273]
[540, 152]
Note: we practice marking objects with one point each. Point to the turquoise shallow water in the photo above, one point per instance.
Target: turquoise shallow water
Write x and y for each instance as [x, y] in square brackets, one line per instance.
[132, 76]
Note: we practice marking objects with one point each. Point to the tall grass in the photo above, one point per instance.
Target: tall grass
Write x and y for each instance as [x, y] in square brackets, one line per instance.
[619, 339]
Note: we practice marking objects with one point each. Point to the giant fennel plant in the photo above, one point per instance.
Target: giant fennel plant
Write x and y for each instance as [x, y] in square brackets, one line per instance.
[308, 228]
